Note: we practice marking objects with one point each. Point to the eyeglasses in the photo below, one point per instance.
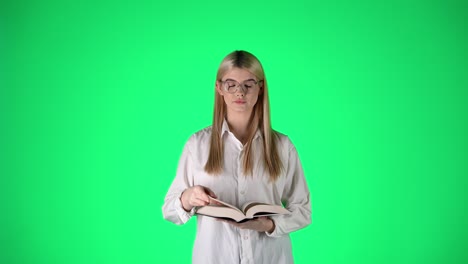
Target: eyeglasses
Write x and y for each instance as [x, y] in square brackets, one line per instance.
[232, 86]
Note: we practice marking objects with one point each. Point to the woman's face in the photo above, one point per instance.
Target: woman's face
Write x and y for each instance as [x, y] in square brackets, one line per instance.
[245, 94]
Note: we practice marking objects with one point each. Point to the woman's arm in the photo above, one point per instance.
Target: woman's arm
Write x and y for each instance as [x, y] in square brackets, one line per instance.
[296, 197]
[173, 209]
[183, 197]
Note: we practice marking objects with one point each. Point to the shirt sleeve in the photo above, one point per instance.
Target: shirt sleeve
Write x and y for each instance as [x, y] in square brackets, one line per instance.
[296, 197]
[172, 208]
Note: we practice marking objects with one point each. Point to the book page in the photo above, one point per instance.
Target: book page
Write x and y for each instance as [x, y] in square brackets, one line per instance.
[260, 209]
[225, 204]
[221, 212]
[220, 209]
[249, 205]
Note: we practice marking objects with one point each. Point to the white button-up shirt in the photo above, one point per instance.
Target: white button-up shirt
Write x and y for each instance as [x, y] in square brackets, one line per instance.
[218, 242]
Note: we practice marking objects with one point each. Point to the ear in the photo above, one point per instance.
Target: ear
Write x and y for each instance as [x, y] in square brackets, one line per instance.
[218, 88]
[261, 86]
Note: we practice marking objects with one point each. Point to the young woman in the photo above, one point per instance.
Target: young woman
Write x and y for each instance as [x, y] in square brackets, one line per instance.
[239, 159]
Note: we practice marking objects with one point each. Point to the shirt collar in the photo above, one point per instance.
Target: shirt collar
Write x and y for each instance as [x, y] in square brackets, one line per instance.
[225, 127]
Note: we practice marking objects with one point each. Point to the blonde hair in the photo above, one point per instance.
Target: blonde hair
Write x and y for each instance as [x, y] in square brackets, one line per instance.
[260, 119]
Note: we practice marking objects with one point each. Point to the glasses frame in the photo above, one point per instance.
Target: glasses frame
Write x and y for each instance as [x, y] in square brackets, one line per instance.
[238, 85]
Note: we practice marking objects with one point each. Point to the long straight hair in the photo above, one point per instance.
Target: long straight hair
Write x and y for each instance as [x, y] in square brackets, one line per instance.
[260, 119]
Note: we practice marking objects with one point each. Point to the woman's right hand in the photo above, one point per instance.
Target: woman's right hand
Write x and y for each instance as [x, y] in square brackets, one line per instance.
[196, 196]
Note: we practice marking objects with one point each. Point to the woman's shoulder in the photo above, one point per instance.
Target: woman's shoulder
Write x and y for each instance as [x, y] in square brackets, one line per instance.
[284, 142]
[201, 137]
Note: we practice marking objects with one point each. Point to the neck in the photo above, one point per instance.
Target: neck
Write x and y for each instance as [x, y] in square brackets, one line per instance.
[238, 124]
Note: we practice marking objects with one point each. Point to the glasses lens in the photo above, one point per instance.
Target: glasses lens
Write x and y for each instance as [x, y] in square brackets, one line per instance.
[231, 86]
[249, 84]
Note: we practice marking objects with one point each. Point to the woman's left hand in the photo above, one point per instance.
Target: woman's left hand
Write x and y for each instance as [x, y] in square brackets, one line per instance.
[260, 224]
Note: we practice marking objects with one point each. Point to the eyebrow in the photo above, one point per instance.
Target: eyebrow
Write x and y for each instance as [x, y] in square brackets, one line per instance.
[244, 80]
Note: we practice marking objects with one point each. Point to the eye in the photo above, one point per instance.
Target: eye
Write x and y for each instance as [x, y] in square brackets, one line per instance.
[249, 84]
[230, 84]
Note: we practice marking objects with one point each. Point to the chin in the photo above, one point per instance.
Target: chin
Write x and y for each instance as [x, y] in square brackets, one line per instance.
[240, 109]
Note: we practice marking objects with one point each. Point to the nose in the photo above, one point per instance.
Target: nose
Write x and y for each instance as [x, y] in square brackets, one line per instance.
[240, 91]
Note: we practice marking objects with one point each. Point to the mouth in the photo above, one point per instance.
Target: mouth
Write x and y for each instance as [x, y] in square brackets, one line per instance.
[239, 102]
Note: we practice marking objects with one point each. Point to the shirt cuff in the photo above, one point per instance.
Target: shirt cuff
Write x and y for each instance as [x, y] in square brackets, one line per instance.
[184, 215]
[275, 231]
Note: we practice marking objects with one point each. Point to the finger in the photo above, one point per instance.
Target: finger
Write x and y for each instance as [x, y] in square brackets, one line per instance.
[198, 202]
[210, 192]
[200, 197]
[203, 201]
[214, 202]
[201, 194]
[204, 197]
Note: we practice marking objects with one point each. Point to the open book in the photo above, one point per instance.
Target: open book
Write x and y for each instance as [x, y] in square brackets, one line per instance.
[249, 210]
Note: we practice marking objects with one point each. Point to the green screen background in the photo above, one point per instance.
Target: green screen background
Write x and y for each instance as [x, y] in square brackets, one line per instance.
[99, 97]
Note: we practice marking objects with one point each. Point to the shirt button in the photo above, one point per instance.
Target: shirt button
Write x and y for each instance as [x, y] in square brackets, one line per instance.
[246, 237]
[242, 192]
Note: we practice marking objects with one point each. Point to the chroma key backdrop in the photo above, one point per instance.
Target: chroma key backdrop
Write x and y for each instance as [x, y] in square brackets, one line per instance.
[97, 99]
